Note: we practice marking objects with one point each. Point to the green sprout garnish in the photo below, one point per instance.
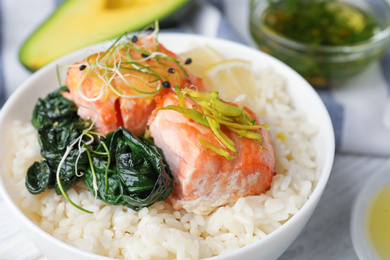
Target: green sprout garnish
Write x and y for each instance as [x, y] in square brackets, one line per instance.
[217, 115]
[116, 62]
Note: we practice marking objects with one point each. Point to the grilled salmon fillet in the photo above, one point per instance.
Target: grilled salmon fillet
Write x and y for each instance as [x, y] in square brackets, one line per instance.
[204, 179]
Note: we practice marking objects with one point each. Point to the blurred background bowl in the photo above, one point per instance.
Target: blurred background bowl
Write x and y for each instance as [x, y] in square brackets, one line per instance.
[370, 228]
[324, 65]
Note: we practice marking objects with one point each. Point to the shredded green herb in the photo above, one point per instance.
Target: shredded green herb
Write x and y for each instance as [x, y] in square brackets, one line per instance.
[217, 114]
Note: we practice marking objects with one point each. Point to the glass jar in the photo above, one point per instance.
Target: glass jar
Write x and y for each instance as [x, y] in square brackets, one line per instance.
[324, 66]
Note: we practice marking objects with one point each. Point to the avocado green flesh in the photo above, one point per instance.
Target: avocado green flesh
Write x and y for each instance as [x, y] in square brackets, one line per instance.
[76, 24]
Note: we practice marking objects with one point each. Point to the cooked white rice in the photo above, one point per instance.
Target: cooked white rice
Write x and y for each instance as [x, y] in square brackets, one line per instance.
[159, 231]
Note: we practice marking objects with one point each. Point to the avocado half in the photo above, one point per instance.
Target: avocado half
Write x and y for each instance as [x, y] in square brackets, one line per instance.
[76, 24]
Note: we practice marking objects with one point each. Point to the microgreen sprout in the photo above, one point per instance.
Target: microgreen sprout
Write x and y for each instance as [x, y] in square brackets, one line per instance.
[84, 146]
[68, 150]
[81, 149]
[121, 63]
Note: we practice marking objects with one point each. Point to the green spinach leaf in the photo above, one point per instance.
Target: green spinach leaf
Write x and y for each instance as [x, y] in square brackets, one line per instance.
[138, 175]
[39, 177]
[58, 125]
[54, 109]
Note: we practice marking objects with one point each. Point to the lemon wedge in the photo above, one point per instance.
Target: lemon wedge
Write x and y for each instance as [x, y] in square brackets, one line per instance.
[231, 78]
[202, 57]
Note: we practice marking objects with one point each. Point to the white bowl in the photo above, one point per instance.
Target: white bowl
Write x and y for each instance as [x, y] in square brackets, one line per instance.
[20, 105]
[360, 239]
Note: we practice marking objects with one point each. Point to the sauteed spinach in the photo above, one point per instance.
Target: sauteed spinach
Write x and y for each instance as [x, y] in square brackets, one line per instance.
[120, 168]
[58, 124]
[138, 175]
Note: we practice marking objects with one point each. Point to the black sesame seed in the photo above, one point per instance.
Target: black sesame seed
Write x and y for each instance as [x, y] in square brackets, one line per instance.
[134, 39]
[82, 67]
[144, 55]
[171, 70]
[188, 61]
[166, 84]
[102, 138]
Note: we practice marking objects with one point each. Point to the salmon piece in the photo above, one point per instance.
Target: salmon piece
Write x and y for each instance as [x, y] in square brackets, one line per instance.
[205, 180]
[96, 100]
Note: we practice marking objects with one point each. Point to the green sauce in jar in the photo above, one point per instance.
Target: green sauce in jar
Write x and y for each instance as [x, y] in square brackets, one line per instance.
[326, 41]
[320, 22]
